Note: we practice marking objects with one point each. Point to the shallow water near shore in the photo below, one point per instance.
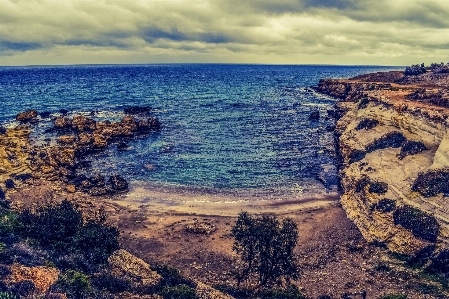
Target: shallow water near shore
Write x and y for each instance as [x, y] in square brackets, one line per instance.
[229, 132]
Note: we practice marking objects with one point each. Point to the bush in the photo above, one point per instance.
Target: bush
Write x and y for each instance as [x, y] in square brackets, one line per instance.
[181, 291]
[391, 139]
[385, 205]
[367, 124]
[7, 295]
[440, 263]
[363, 103]
[171, 276]
[356, 156]
[111, 283]
[73, 283]
[265, 247]
[60, 229]
[378, 187]
[431, 183]
[410, 147]
[421, 224]
[362, 183]
[415, 69]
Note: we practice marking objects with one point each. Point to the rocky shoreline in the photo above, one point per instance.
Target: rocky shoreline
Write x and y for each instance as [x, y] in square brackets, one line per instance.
[392, 139]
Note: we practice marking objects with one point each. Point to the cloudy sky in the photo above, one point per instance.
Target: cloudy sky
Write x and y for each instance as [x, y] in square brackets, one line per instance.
[374, 32]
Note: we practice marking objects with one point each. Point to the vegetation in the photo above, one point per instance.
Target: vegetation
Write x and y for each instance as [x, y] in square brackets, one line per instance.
[393, 296]
[421, 224]
[415, 69]
[411, 147]
[378, 187]
[386, 205]
[432, 182]
[391, 139]
[181, 291]
[265, 247]
[367, 124]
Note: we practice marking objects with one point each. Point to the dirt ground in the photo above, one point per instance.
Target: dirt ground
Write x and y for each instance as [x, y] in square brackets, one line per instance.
[333, 257]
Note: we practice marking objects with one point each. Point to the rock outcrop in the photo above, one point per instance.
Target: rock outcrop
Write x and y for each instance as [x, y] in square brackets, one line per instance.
[387, 137]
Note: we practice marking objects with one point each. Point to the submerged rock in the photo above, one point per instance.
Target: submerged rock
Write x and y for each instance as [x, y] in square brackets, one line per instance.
[314, 116]
[118, 183]
[137, 109]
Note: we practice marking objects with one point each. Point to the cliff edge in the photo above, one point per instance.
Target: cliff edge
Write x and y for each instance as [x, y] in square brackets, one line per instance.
[393, 144]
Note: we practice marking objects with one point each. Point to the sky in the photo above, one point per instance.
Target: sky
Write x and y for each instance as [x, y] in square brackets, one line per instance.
[348, 32]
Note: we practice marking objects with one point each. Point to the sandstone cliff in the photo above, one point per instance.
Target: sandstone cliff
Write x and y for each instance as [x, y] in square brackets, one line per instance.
[392, 135]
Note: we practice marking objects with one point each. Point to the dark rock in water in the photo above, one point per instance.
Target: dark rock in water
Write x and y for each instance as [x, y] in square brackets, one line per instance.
[137, 109]
[151, 123]
[64, 112]
[331, 113]
[29, 115]
[122, 146]
[2, 130]
[118, 183]
[314, 116]
[23, 177]
[45, 114]
[10, 184]
[330, 128]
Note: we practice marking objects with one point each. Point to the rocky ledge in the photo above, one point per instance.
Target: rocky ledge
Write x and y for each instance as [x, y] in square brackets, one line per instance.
[61, 159]
[393, 143]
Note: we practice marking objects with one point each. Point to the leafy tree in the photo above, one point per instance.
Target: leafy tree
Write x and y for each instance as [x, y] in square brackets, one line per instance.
[265, 246]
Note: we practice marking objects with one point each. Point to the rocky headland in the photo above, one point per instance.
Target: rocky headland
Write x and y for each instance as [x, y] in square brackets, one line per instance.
[393, 144]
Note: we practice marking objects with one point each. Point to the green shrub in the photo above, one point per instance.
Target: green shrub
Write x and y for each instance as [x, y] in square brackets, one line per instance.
[432, 182]
[363, 103]
[356, 156]
[75, 284]
[60, 229]
[421, 224]
[411, 147]
[181, 291]
[386, 205]
[367, 124]
[236, 292]
[440, 263]
[378, 187]
[7, 295]
[362, 183]
[110, 283]
[391, 139]
[171, 276]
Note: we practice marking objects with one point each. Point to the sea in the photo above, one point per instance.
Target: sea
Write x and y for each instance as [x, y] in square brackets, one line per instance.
[225, 128]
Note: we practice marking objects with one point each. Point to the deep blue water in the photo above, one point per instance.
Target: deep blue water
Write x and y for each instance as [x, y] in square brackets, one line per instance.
[224, 126]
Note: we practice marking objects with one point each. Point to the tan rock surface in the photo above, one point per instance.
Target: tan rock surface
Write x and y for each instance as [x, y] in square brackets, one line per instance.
[42, 277]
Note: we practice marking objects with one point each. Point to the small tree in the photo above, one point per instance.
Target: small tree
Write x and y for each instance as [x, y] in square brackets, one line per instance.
[265, 246]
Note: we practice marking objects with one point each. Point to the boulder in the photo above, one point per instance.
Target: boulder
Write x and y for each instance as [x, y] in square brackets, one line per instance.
[82, 123]
[62, 122]
[45, 114]
[127, 266]
[66, 139]
[29, 115]
[2, 130]
[85, 139]
[42, 277]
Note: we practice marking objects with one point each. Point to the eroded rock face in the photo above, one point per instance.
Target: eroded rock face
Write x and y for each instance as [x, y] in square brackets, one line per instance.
[385, 142]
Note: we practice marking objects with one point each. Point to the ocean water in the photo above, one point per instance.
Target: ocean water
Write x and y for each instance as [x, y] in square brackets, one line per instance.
[224, 127]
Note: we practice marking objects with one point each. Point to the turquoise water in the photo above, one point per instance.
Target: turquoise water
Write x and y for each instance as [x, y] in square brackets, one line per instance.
[225, 127]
